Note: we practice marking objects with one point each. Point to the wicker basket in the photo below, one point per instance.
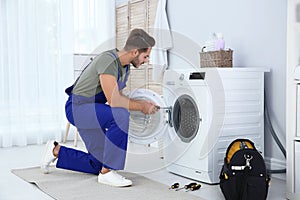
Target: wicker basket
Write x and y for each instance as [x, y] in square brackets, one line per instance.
[222, 58]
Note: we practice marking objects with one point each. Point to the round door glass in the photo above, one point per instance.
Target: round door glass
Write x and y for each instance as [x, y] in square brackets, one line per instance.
[186, 118]
[143, 126]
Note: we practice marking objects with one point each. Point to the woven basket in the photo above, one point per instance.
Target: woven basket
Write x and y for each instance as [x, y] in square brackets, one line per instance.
[222, 58]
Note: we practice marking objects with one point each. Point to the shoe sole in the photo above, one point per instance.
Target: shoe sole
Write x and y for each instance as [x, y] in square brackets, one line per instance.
[44, 165]
[110, 184]
[115, 185]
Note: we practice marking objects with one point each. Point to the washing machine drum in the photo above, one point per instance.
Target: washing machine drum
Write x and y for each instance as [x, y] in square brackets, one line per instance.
[186, 118]
[183, 118]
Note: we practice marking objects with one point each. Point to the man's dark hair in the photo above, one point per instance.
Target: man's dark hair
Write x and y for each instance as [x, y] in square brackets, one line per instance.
[139, 39]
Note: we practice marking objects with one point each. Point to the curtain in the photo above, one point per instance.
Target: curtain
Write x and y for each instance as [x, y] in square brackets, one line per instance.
[39, 40]
[94, 26]
[35, 65]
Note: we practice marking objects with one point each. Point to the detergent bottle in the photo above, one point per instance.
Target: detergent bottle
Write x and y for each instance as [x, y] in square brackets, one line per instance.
[220, 43]
[211, 42]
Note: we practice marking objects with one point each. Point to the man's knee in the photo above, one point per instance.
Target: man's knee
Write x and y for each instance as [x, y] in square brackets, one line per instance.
[120, 113]
[121, 116]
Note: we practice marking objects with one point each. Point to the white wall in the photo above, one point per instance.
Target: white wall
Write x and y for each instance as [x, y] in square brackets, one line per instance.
[256, 31]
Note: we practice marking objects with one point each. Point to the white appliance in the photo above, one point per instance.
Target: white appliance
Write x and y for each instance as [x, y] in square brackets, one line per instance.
[203, 111]
[297, 164]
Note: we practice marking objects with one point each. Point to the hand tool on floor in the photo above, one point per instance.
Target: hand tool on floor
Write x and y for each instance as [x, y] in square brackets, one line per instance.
[195, 187]
[175, 185]
[187, 186]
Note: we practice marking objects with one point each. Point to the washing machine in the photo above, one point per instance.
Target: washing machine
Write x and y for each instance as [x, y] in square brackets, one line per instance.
[202, 111]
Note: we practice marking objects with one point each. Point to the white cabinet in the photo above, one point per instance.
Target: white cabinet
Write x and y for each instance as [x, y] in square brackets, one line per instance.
[80, 61]
[297, 166]
[292, 100]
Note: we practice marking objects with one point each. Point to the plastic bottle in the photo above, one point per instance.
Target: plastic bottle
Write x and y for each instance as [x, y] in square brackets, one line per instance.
[220, 43]
[210, 43]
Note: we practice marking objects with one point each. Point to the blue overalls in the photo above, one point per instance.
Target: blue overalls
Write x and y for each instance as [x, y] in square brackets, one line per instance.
[103, 129]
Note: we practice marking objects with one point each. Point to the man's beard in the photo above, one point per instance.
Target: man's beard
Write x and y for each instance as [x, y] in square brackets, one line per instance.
[134, 62]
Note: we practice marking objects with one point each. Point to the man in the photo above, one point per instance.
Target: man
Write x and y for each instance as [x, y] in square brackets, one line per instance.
[99, 111]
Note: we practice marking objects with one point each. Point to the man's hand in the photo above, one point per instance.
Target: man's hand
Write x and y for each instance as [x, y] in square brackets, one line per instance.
[148, 108]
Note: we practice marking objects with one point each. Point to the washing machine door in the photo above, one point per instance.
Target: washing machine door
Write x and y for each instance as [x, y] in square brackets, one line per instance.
[146, 129]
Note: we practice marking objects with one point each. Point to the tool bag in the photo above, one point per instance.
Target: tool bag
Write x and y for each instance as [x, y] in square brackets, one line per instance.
[244, 175]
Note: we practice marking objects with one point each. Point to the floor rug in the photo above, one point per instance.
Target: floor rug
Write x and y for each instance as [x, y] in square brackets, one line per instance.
[69, 185]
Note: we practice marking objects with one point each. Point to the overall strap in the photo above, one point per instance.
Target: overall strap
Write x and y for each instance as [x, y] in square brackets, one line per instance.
[91, 60]
[69, 89]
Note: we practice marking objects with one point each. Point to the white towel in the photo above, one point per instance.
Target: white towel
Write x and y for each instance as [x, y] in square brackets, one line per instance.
[163, 38]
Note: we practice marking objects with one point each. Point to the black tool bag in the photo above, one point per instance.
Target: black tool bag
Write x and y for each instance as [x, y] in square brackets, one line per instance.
[244, 175]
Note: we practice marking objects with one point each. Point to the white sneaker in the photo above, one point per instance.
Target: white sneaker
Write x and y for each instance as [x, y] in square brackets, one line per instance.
[47, 157]
[112, 178]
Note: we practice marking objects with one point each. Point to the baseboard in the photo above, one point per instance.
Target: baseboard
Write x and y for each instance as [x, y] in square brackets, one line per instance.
[275, 164]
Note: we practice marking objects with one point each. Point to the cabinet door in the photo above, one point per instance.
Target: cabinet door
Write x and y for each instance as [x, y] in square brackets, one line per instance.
[138, 14]
[122, 24]
[297, 166]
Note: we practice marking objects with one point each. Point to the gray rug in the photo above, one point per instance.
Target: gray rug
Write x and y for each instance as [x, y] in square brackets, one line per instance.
[65, 185]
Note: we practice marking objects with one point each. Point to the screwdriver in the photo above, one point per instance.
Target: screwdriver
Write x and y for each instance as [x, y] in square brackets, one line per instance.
[165, 108]
[187, 186]
[195, 187]
[175, 185]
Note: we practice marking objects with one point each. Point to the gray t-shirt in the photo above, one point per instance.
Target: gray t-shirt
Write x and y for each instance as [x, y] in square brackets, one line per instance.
[88, 83]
